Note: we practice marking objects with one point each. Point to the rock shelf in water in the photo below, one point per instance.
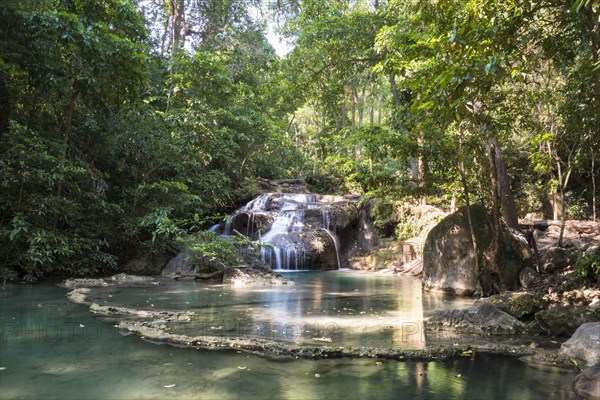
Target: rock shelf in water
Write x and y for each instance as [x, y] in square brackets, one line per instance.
[156, 326]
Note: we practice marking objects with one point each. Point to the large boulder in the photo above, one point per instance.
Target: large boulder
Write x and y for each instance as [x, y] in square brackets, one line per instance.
[449, 263]
[587, 384]
[557, 258]
[180, 265]
[148, 263]
[480, 318]
[584, 345]
[244, 276]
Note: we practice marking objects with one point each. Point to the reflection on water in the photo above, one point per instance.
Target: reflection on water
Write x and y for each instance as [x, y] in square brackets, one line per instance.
[52, 349]
[347, 308]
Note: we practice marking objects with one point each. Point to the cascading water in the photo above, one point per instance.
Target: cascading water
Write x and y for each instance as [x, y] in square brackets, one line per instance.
[288, 241]
[326, 215]
[277, 249]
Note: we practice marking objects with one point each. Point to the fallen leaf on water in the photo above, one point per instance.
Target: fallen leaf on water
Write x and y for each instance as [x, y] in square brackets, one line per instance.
[379, 363]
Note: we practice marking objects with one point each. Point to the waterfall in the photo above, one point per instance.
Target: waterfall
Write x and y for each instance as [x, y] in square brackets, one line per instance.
[287, 239]
[326, 216]
[280, 253]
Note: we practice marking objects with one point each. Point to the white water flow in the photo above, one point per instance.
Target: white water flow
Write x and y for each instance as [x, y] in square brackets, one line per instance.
[288, 255]
[327, 224]
[288, 239]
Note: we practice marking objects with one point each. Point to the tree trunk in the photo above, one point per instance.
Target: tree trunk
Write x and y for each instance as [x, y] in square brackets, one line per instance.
[380, 107]
[361, 105]
[178, 10]
[563, 217]
[507, 202]
[354, 100]
[593, 186]
[421, 163]
[495, 246]
[394, 91]
[463, 179]
[164, 43]
[372, 103]
[344, 115]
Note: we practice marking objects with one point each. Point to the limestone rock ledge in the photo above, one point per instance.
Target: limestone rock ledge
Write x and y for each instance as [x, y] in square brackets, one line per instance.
[480, 318]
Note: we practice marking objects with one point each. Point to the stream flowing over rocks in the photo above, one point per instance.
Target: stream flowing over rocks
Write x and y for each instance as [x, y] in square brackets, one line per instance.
[304, 231]
[294, 231]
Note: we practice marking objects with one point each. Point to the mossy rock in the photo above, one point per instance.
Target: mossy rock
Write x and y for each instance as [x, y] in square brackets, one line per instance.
[524, 305]
[563, 321]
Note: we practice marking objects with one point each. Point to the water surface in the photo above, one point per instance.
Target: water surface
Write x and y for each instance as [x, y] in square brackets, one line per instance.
[53, 349]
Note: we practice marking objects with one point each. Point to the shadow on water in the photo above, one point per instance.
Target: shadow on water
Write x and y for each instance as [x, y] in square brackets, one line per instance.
[53, 349]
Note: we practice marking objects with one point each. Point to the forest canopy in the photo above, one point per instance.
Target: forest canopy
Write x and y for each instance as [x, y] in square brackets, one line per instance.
[127, 124]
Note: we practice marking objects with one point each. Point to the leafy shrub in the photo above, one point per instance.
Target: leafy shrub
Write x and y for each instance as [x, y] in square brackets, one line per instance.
[208, 248]
[588, 265]
[577, 209]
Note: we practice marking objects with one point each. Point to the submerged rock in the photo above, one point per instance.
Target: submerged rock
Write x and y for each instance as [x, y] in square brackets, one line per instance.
[79, 295]
[584, 345]
[161, 317]
[449, 263]
[480, 318]
[118, 279]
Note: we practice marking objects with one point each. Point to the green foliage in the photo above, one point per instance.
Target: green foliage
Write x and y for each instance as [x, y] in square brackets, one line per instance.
[577, 208]
[588, 265]
[108, 148]
[113, 139]
[46, 232]
[207, 248]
